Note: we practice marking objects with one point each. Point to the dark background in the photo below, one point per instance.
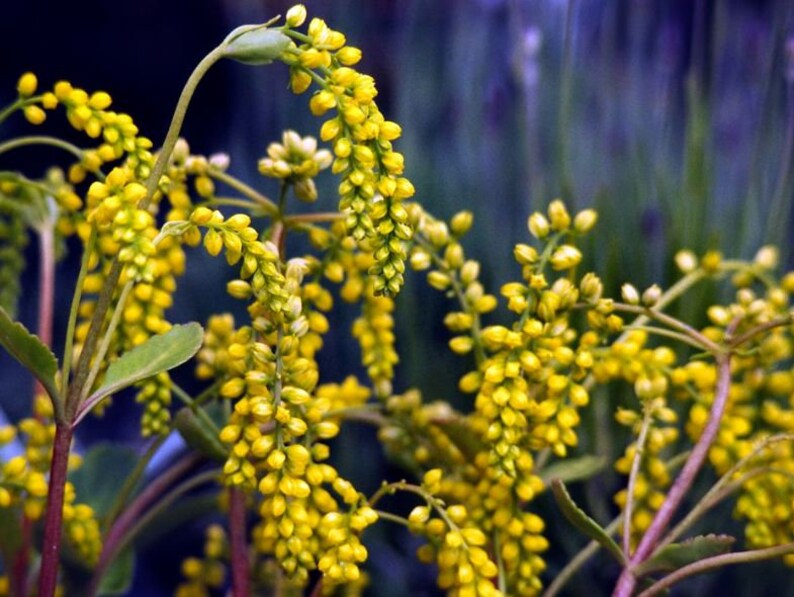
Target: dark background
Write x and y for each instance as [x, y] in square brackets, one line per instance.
[673, 118]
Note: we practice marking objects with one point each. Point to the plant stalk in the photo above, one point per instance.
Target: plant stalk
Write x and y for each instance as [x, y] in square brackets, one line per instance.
[53, 522]
[241, 578]
[627, 581]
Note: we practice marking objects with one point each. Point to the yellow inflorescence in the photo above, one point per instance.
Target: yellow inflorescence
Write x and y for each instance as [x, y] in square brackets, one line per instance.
[373, 186]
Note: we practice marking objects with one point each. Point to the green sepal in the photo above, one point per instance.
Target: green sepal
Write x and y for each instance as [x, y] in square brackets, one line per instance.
[200, 435]
[677, 555]
[255, 44]
[157, 354]
[577, 517]
[573, 469]
[33, 354]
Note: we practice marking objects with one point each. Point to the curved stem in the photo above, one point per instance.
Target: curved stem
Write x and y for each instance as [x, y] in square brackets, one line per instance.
[712, 563]
[683, 482]
[32, 140]
[245, 190]
[177, 120]
[673, 323]
[119, 534]
[10, 109]
[635, 471]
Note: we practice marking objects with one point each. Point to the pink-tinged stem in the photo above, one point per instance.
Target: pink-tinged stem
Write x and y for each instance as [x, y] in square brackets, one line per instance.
[51, 547]
[19, 568]
[131, 514]
[627, 581]
[241, 579]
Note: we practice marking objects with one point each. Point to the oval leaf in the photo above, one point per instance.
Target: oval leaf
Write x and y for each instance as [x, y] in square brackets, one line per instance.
[157, 354]
[577, 517]
[32, 353]
[255, 44]
[200, 434]
[678, 555]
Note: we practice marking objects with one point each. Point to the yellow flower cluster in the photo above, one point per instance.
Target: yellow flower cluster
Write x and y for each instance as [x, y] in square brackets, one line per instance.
[459, 548]
[374, 329]
[23, 481]
[373, 186]
[297, 161]
[203, 575]
[260, 277]
[89, 113]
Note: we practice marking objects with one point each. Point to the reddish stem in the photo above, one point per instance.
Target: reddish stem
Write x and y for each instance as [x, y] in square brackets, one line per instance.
[241, 579]
[51, 547]
[627, 581]
[122, 524]
[19, 569]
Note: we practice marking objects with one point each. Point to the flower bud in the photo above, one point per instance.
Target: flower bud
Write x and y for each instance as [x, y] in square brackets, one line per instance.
[559, 216]
[296, 15]
[565, 257]
[461, 222]
[585, 220]
[26, 86]
[686, 261]
[767, 257]
[651, 295]
[630, 294]
[538, 225]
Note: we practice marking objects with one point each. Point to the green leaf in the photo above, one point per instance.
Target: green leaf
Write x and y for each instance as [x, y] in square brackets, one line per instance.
[200, 434]
[573, 469]
[118, 577]
[577, 517]
[32, 353]
[255, 44]
[157, 354]
[103, 472]
[677, 555]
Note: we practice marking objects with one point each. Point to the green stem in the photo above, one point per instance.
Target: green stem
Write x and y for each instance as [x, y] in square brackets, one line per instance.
[193, 405]
[238, 185]
[673, 323]
[177, 120]
[393, 518]
[666, 333]
[579, 560]
[10, 109]
[32, 140]
[104, 347]
[76, 298]
[633, 474]
[714, 562]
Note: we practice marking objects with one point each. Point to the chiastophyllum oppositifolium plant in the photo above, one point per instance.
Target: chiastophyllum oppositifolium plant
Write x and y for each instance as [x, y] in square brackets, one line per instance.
[712, 403]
